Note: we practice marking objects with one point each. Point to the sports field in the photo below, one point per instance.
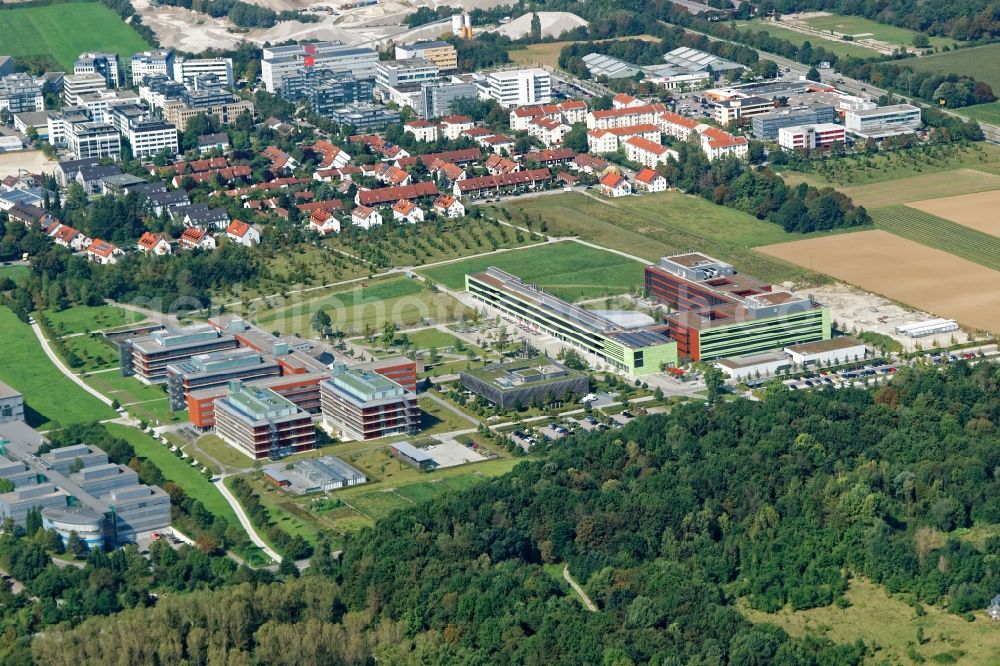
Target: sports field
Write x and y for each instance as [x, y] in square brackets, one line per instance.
[980, 62]
[655, 225]
[904, 270]
[569, 270]
[979, 211]
[862, 28]
[843, 49]
[49, 396]
[63, 31]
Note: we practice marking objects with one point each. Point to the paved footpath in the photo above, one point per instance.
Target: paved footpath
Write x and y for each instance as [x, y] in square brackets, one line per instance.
[62, 367]
[245, 520]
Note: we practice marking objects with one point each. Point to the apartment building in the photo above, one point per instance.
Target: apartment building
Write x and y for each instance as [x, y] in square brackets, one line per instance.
[280, 61]
[731, 111]
[225, 107]
[362, 404]
[439, 52]
[645, 114]
[647, 153]
[261, 424]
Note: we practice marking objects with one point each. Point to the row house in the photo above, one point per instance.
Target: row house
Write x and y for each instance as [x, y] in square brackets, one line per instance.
[390, 195]
[590, 164]
[527, 179]
[550, 157]
[462, 156]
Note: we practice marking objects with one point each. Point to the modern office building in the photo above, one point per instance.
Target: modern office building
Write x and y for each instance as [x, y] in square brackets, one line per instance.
[148, 356]
[20, 93]
[225, 106]
[365, 117]
[262, 424]
[441, 53]
[438, 98]
[636, 347]
[215, 369]
[737, 109]
[81, 84]
[77, 490]
[278, 62]
[362, 405]
[518, 87]
[11, 404]
[404, 73]
[103, 64]
[766, 125]
[327, 90]
[158, 62]
[883, 121]
[159, 90]
[91, 140]
[151, 137]
[518, 384]
[188, 70]
[807, 137]
[301, 389]
[723, 313]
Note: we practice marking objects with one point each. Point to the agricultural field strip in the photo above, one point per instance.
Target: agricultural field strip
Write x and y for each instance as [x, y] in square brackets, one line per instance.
[940, 234]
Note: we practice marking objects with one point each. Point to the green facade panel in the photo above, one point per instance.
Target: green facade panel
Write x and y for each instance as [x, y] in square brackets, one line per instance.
[765, 334]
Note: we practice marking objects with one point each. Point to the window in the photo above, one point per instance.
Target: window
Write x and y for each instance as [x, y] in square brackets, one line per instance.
[637, 359]
[7, 411]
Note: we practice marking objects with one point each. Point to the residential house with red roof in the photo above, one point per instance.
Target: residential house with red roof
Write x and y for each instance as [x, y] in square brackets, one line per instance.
[103, 252]
[608, 140]
[366, 217]
[650, 181]
[675, 125]
[615, 185]
[67, 236]
[323, 222]
[422, 130]
[448, 206]
[195, 238]
[407, 211]
[240, 232]
[520, 181]
[718, 143]
[150, 243]
[332, 156]
[633, 115]
[453, 126]
[280, 160]
[498, 164]
[390, 195]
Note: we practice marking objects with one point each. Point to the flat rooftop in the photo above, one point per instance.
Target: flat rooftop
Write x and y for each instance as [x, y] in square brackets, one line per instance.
[822, 346]
[737, 362]
[259, 403]
[8, 392]
[885, 110]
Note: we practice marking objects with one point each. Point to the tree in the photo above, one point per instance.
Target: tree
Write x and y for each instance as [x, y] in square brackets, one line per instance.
[714, 382]
[501, 340]
[813, 74]
[6, 485]
[388, 334]
[33, 521]
[76, 546]
[321, 322]
[536, 27]
[921, 41]
[576, 138]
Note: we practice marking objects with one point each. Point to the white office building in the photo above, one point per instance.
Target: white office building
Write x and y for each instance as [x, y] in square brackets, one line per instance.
[158, 62]
[405, 73]
[518, 87]
[90, 139]
[186, 70]
[149, 137]
[102, 64]
[883, 121]
[81, 84]
[281, 61]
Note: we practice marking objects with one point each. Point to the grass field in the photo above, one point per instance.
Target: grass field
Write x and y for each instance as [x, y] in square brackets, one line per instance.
[892, 624]
[862, 28]
[84, 319]
[179, 471]
[984, 113]
[399, 299]
[976, 211]
[842, 48]
[432, 337]
[95, 353]
[15, 273]
[914, 188]
[655, 225]
[569, 270]
[49, 396]
[64, 31]
[936, 232]
[905, 271]
[979, 62]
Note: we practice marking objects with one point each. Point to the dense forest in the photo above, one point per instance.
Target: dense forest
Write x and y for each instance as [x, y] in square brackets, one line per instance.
[667, 523]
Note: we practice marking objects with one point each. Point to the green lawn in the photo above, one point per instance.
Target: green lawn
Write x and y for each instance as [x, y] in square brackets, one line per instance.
[63, 31]
[569, 270]
[49, 396]
[403, 300]
[862, 28]
[843, 49]
[979, 62]
[664, 223]
[936, 232]
[178, 471]
[15, 273]
[984, 113]
[432, 337]
[84, 319]
[95, 353]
